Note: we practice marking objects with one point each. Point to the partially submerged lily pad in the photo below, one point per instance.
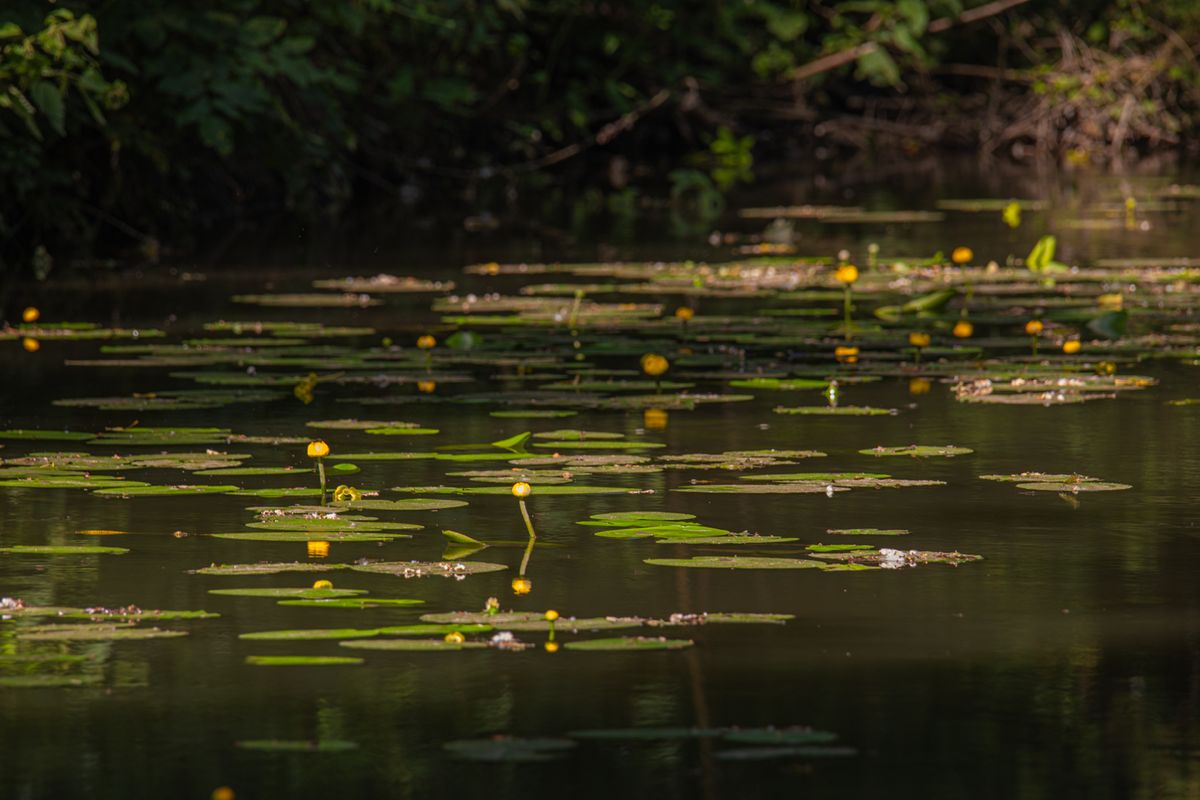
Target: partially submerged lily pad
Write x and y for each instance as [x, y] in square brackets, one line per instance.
[918, 451]
[735, 562]
[302, 661]
[425, 569]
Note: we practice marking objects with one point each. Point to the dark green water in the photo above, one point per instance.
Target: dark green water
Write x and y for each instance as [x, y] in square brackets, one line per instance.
[1065, 664]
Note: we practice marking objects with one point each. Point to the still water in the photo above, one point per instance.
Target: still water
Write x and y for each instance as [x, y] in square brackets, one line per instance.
[1066, 663]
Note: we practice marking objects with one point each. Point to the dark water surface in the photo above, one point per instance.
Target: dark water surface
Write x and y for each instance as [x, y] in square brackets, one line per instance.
[1065, 664]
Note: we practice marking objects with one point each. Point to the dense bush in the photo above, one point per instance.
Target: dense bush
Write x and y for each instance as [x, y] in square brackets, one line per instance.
[150, 116]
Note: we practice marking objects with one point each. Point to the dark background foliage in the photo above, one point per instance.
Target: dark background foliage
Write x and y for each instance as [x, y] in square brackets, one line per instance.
[134, 122]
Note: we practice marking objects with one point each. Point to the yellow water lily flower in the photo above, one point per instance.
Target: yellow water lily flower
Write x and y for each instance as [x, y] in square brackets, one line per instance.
[963, 329]
[1072, 346]
[426, 342]
[918, 339]
[522, 586]
[317, 449]
[521, 489]
[1034, 327]
[30, 314]
[847, 274]
[322, 584]
[654, 365]
[962, 255]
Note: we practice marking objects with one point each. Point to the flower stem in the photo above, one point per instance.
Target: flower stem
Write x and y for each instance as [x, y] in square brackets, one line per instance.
[528, 521]
[846, 308]
[321, 472]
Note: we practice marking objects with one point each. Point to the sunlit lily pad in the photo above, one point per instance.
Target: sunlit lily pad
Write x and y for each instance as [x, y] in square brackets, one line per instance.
[22, 434]
[413, 645]
[299, 593]
[63, 550]
[836, 411]
[166, 491]
[268, 568]
[735, 562]
[302, 661]
[425, 569]
[918, 451]
[868, 531]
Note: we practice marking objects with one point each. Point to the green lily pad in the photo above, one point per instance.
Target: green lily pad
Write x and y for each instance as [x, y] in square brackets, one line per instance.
[413, 645]
[918, 451]
[24, 434]
[63, 550]
[868, 531]
[268, 568]
[297, 745]
[799, 751]
[500, 749]
[96, 633]
[734, 562]
[164, 491]
[425, 569]
[311, 536]
[302, 661]
[1073, 488]
[300, 593]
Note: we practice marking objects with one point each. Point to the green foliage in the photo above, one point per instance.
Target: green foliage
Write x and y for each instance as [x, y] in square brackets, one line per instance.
[149, 116]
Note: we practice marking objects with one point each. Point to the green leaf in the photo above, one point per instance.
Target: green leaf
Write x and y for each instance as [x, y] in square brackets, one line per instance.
[49, 101]
[879, 68]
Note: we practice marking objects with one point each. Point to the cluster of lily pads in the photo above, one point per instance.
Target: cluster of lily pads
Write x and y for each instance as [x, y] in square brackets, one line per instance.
[539, 344]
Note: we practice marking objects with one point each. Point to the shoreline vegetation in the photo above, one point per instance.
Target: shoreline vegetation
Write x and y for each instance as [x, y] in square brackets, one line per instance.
[140, 128]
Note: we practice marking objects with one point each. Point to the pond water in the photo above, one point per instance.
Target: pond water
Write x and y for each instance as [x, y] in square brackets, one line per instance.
[1063, 663]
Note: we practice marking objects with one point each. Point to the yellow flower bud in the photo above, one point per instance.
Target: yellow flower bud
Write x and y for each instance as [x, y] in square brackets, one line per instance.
[454, 637]
[426, 342]
[551, 647]
[684, 313]
[521, 489]
[1033, 327]
[654, 365]
[963, 329]
[322, 584]
[962, 255]
[846, 355]
[522, 586]
[30, 314]
[551, 615]
[917, 339]
[847, 274]
[1071, 346]
[426, 387]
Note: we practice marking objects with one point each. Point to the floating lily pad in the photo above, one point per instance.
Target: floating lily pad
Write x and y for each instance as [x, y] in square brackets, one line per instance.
[301, 593]
[22, 434]
[755, 488]
[96, 633]
[297, 745]
[509, 749]
[303, 661]
[1073, 488]
[63, 550]
[837, 411]
[268, 568]
[868, 531]
[311, 536]
[735, 562]
[918, 451]
[425, 569]
[413, 645]
[165, 491]
[799, 751]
